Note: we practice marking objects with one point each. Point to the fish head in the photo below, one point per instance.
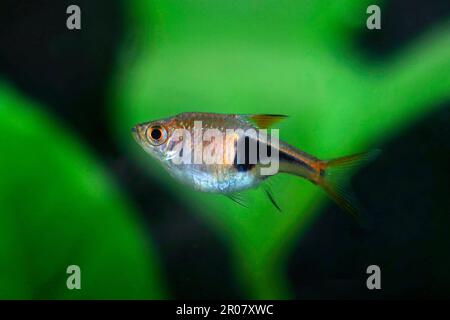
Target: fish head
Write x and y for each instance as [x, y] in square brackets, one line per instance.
[153, 137]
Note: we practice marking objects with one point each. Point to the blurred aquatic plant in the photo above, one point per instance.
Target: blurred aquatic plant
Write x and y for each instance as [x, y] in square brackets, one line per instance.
[57, 208]
[289, 57]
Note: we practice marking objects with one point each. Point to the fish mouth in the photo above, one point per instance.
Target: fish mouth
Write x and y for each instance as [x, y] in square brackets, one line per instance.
[135, 134]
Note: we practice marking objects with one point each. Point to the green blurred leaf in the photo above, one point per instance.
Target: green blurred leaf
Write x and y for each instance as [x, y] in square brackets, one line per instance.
[57, 208]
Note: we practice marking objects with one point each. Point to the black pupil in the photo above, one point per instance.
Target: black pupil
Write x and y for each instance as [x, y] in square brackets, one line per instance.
[156, 134]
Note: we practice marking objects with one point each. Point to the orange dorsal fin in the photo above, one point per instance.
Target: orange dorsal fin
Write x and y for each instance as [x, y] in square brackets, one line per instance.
[264, 121]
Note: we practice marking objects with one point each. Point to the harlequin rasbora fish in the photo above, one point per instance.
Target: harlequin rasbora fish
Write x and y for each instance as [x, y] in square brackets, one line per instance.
[230, 176]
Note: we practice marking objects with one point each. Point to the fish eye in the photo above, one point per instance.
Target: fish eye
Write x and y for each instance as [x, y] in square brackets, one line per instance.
[156, 135]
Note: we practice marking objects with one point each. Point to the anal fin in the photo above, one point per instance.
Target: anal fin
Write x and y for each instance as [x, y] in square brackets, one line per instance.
[271, 198]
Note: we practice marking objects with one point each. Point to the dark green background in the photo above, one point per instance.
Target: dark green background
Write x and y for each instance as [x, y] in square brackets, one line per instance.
[76, 189]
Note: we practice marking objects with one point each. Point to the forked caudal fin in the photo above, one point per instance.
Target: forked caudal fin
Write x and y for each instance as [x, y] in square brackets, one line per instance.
[334, 178]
